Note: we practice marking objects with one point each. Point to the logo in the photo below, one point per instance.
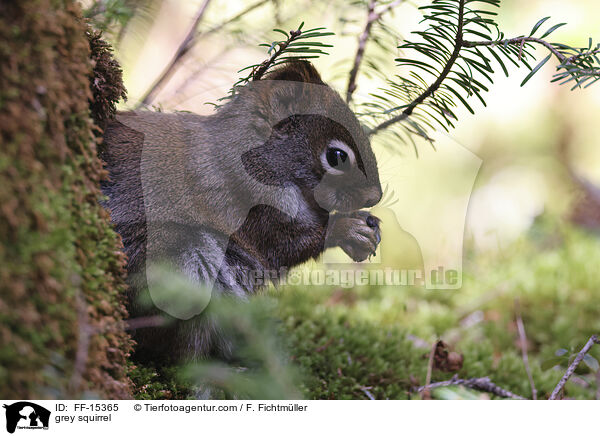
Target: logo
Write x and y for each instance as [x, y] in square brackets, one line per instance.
[26, 415]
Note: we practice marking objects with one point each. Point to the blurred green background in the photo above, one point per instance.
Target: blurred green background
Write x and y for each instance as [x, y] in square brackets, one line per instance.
[525, 249]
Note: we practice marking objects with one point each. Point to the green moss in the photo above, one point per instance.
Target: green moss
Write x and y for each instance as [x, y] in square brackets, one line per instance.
[346, 342]
[158, 384]
[59, 255]
[347, 339]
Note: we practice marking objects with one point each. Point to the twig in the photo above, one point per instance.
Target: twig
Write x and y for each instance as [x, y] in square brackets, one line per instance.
[171, 97]
[523, 343]
[481, 384]
[367, 393]
[571, 369]
[523, 39]
[325, 345]
[191, 40]
[520, 41]
[372, 18]
[183, 48]
[425, 391]
[232, 19]
[588, 53]
[564, 61]
[389, 7]
[362, 43]
[458, 45]
[144, 322]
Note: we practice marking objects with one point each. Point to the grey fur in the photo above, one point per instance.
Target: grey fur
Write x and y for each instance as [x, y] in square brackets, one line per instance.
[242, 190]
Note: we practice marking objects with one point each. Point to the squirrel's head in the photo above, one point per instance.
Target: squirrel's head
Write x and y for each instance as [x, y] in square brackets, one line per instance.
[312, 139]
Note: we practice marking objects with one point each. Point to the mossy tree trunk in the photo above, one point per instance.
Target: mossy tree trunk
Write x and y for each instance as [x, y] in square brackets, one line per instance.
[61, 267]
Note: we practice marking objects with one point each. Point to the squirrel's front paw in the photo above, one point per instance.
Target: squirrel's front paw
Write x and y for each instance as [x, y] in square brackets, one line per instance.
[357, 233]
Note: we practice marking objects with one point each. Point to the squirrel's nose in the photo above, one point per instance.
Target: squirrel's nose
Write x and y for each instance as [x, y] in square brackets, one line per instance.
[372, 196]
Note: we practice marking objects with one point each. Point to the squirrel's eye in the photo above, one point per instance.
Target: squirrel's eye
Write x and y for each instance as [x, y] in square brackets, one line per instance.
[336, 157]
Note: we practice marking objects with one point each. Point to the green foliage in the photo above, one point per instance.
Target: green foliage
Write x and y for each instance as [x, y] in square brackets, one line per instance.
[108, 14]
[259, 367]
[582, 65]
[340, 355]
[453, 60]
[163, 383]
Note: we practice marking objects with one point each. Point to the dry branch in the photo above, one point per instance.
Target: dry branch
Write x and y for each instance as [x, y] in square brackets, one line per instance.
[233, 19]
[186, 45]
[183, 48]
[366, 391]
[425, 392]
[523, 344]
[523, 39]
[481, 384]
[144, 322]
[571, 369]
[372, 18]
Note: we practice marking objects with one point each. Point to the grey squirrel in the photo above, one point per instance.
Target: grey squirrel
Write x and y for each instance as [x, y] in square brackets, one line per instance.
[273, 178]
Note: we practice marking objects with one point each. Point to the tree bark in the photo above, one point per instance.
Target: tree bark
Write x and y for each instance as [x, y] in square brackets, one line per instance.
[61, 264]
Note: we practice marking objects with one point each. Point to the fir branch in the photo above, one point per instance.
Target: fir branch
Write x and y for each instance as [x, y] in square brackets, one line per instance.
[362, 43]
[294, 45]
[302, 50]
[567, 63]
[523, 346]
[458, 41]
[259, 71]
[576, 57]
[563, 59]
[457, 65]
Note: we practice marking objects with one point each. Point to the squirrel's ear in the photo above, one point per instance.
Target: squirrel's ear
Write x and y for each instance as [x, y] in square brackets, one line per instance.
[296, 71]
[275, 100]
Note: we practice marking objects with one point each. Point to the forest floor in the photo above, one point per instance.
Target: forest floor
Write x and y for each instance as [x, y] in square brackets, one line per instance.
[377, 342]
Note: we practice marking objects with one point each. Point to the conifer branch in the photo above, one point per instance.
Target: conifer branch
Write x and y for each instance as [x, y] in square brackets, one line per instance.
[458, 66]
[458, 41]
